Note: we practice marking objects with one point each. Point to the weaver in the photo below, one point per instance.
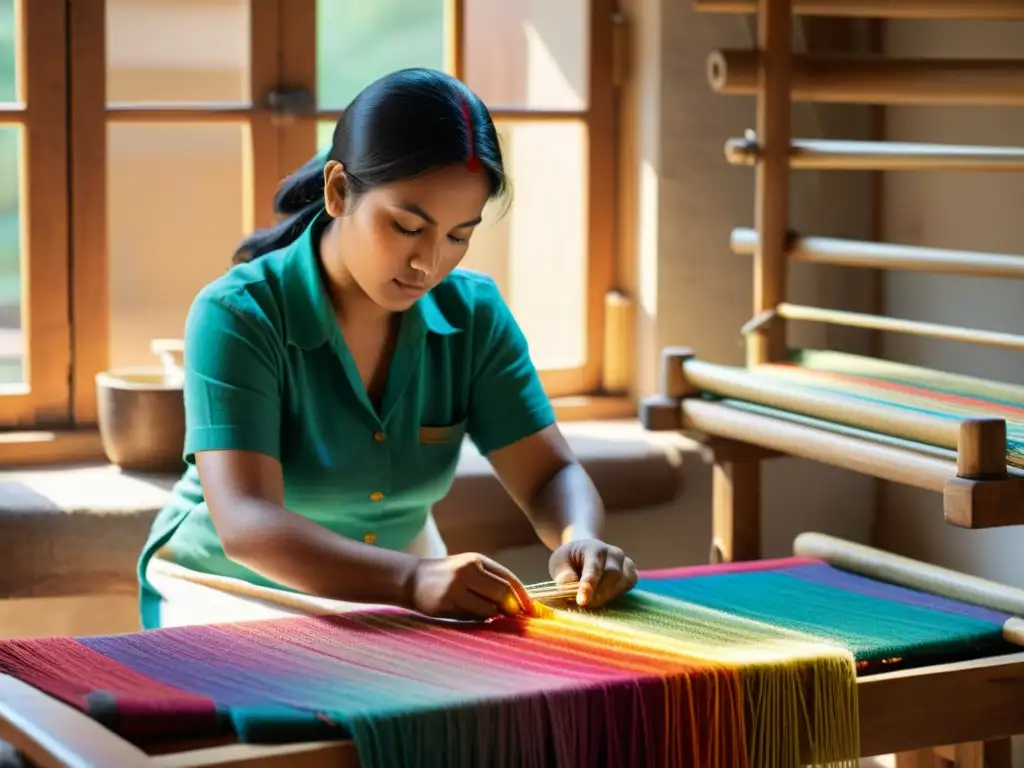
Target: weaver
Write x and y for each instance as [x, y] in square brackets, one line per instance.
[747, 664]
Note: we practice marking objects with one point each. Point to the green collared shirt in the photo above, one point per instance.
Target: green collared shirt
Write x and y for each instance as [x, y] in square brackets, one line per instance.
[267, 370]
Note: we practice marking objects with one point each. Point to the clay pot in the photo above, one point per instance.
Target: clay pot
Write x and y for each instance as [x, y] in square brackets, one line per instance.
[142, 418]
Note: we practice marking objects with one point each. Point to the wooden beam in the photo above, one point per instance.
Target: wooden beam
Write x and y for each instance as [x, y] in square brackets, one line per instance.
[771, 183]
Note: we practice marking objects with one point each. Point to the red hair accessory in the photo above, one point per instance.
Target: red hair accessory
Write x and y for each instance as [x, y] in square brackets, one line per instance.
[473, 162]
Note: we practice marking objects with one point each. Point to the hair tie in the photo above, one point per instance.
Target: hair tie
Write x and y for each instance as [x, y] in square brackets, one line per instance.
[473, 162]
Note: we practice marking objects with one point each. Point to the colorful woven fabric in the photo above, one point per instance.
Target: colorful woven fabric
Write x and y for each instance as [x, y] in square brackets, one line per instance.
[708, 666]
[914, 389]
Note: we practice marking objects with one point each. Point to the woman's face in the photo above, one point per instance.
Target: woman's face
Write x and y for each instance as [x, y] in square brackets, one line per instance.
[400, 240]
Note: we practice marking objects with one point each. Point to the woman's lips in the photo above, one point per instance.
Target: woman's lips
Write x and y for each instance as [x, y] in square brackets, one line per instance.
[410, 289]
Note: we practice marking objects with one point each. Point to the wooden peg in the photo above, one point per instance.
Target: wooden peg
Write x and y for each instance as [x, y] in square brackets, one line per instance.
[673, 376]
[981, 449]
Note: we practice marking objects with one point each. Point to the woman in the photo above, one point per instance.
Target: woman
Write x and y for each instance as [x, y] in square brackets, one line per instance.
[331, 375]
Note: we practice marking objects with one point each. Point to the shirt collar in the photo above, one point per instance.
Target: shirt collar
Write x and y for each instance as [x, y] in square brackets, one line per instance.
[308, 313]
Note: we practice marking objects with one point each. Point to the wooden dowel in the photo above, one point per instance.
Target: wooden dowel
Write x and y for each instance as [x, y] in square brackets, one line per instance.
[771, 180]
[914, 574]
[858, 253]
[981, 454]
[1013, 631]
[899, 325]
[743, 384]
[882, 9]
[865, 79]
[830, 155]
[866, 457]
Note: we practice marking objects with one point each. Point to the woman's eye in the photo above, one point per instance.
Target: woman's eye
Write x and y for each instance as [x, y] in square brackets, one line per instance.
[459, 240]
[407, 232]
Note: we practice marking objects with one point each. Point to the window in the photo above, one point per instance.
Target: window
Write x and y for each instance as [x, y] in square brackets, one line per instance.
[171, 122]
[533, 63]
[34, 328]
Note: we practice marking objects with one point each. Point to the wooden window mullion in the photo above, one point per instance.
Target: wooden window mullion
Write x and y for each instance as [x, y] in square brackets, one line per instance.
[90, 291]
[263, 158]
[297, 137]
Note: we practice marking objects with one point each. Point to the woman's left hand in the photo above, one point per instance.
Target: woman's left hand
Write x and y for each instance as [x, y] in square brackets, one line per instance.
[603, 571]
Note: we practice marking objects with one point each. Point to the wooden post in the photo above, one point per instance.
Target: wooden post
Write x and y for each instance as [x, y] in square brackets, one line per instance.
[981, 449]
[736, 509]
[771, 194]
[662, 412]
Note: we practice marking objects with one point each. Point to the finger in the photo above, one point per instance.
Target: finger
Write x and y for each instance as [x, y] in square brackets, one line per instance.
[593, 568]
[519, 592]
[494, 589]
[564, 573]
[629, 572]
[610, 585]
[616, 581]
[471, 604]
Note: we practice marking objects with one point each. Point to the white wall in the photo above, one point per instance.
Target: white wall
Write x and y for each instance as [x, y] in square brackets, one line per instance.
[984, 212]
[692, 289]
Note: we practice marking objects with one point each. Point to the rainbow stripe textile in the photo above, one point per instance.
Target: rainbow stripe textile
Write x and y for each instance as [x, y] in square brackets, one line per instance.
[711, 666]
[921, 390]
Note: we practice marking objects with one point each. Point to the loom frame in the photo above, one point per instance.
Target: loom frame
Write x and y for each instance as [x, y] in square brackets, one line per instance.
[974, 701]
[968, 468]
[977, 488]
[981, 700]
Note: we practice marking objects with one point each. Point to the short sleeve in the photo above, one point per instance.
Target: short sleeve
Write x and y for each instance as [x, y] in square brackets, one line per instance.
[507, 402]
[232, 380]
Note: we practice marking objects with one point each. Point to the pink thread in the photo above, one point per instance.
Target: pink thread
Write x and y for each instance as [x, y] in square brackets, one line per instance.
[473, 162]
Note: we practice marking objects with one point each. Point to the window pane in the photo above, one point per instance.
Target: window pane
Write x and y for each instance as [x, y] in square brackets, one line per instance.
[8, 80]
[537, 252]
[12, 343]
[191, 51]
[324, 133]
[176, 213]
[528, 54]
[358, 41]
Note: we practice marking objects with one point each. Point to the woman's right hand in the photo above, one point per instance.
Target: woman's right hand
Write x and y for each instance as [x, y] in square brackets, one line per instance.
[468, 586]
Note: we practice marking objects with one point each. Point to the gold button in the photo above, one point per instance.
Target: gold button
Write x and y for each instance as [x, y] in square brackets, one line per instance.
[376, 496]
[370, 537]
[380, 437]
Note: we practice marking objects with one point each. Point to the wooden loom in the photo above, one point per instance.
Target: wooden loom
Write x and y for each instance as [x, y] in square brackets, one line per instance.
[965, 461]
[970, 701]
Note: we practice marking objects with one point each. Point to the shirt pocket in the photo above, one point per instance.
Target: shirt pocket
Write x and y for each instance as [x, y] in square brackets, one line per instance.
[446, 434]
[439, 449]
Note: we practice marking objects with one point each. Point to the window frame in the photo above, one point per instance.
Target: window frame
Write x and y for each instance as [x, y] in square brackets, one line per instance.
[599, 119]
[65, 118]
[41, 113]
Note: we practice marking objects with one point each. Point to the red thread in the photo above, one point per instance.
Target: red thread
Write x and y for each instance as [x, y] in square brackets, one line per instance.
[473, 162]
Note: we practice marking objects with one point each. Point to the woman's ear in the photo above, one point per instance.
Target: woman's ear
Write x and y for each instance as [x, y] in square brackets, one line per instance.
[335, 188]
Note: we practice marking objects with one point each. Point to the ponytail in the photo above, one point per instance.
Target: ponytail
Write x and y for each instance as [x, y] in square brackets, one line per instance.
[298, 200]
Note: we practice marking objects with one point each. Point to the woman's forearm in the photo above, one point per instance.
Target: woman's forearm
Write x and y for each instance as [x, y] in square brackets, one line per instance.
[567, 507]
[298, 553]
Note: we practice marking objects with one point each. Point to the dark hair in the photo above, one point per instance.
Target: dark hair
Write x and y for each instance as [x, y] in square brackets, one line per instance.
[398, 127]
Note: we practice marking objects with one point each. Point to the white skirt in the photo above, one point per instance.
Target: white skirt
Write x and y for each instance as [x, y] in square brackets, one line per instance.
[190, 597]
